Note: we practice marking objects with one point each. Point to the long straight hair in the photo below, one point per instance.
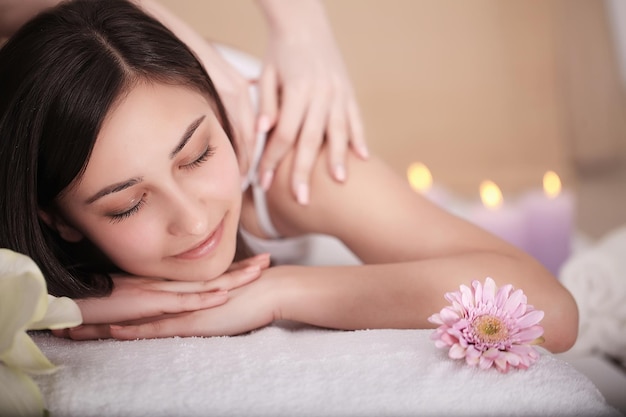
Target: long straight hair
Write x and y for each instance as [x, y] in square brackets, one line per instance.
[59, 76]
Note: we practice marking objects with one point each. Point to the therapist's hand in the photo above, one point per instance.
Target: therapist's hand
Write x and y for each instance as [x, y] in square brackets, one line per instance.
[305, 98]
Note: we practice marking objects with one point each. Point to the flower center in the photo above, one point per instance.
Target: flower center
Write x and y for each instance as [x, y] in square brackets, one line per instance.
[490, 329]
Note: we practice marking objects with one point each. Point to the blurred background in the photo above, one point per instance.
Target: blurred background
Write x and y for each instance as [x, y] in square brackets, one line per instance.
[481, 89]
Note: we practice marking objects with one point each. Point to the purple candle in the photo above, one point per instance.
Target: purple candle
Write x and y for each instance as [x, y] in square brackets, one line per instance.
[503, 220]
[550, 221]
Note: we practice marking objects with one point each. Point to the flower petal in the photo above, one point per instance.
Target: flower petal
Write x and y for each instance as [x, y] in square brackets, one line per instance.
[449, 316]
[62, 313]
[530, 318]
[528, 335]
[19, 395]
[456, 352]
[514, 301]
[25, 355]
[503, 294]
[478, 292]
[501, 364]
[489, 291]
[467, 298]
[22, 297]
[485, 363]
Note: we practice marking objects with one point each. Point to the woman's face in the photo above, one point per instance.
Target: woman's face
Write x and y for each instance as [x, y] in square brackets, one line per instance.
[161, 193]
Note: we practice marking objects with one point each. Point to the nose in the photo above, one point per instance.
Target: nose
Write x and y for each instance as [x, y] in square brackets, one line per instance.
[188, 215]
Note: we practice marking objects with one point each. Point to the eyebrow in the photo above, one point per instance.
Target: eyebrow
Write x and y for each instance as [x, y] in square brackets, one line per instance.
[120, 186]
[187, 136]
[114, 188]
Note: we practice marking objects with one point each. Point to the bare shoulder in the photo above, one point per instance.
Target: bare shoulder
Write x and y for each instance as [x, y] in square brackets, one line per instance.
[328, 197]
[374, 212]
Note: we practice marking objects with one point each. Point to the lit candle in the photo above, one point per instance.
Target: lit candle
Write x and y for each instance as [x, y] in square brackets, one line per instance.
[504, 221]
[421, 180]
[550, 222]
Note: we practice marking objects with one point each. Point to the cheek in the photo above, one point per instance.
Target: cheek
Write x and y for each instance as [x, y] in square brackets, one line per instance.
[135, 242]
[222, 174]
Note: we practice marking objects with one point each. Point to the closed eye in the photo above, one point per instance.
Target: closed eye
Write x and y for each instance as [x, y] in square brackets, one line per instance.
[208, 152]
[118, 217]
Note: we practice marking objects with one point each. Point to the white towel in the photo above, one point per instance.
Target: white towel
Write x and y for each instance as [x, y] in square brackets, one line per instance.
[289, 370]
[596, 277]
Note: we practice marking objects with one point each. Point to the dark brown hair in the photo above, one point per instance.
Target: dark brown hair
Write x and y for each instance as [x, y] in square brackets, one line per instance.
[59, 76]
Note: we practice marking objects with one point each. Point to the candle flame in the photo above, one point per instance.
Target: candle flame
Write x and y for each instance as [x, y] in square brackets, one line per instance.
[490, 195]
[551, 184]
[419, 176]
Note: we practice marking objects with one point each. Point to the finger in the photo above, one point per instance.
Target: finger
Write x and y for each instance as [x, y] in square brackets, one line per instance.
[281, 139]
[309, 141]
[245, 134]
[90, 332]
[64, 333]
[149, 304]
[357, 135]
[337, 139]
[225, 282]
[262, 260]
[268, 99]
[181, 325]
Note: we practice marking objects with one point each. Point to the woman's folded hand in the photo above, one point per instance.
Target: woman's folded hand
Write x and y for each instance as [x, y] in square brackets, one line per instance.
[137, 300]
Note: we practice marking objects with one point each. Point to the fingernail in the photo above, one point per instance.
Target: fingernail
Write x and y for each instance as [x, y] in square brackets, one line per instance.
[263, 124]
[221, 292]
[115, 327]
[302, 194]
[363, 152]
[75, 329]
[244, 182]
[340, 172]
[266, 179]
[252, 269]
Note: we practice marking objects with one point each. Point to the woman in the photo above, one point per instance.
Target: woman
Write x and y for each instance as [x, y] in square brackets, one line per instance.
[121, 183]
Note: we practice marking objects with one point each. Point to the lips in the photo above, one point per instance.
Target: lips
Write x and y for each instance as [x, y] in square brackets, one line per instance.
[206, 246]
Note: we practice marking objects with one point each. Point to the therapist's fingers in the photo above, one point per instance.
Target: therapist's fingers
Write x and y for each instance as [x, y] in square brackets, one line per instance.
[281, 139]
[357, 134]
[308, 146]
[268, 99]
[337, 138]
[242, 118]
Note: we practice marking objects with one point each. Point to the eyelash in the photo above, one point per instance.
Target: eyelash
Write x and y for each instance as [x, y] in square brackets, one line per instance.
[208, 152]
[118, 217]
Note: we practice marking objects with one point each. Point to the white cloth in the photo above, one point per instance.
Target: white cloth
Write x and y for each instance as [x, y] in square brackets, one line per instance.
[596, 277]
[290, 370]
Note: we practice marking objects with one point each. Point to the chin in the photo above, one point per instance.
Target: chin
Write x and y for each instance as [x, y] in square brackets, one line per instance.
[208, 268]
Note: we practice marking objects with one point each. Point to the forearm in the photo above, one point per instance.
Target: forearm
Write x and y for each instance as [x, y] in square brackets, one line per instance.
[404, 295]
[181, 29]
[295, 20]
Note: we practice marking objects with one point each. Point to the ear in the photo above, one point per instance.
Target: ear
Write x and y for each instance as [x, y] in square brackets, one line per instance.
[56, 222]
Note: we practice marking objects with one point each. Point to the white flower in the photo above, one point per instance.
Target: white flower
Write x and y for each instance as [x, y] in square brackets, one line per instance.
[25, 305]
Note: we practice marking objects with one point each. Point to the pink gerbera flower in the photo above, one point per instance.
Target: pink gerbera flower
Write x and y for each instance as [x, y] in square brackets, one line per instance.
[489, 328]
